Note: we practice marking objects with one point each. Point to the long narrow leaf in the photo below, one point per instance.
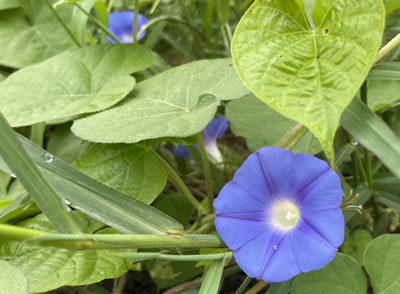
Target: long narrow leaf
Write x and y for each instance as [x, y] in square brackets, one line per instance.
[385, 71]
[96, 199]
[32, 179]
[212, 280]
[366, 127]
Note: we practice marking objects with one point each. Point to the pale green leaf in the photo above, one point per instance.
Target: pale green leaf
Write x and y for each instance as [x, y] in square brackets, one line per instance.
[355, 245]
[262, 126]
[308, 75]
[7, 4]
[48, 268]
[381, 259]
[343, 275]
[34, 34]
[382, 93]
[179, 102]
[12, 279]
[78, 81]
[131, 169]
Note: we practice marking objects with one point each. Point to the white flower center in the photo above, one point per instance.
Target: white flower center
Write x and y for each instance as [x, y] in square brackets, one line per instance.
[285, 214]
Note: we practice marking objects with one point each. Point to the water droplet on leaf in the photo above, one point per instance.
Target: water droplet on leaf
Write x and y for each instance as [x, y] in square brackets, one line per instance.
[13, 175]
[48, 157]
[275, 247]
[354, 142]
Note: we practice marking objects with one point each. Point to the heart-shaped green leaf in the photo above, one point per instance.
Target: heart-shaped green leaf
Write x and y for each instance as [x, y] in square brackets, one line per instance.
[175, 103]
[309, 75]
[131, 169]
[74, 82]
[343, 275]
[381, 259]
[12, 279]
[48, 268]
[33, 34]
[262, 126]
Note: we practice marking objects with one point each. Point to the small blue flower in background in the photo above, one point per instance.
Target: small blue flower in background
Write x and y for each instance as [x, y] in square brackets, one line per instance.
[121, 25]
[280, 214]
[214, 130]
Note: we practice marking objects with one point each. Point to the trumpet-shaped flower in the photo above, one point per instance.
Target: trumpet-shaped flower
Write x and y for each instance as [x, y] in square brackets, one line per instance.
[214, 130]
[121, 25]
[280, 214]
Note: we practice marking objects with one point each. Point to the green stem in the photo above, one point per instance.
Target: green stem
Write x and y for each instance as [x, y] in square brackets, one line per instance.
[244, 285]
[8, 232]
[109, 6]
[64, 25]
[114, 241]
[173, 19]
[207, 173]
[360, 165]
[387, 48]
[37, 132]
[98, 23]
[257, 287]
[135, 21]
[367, 155]
[178, 183]
[292, 137]
[141, 256]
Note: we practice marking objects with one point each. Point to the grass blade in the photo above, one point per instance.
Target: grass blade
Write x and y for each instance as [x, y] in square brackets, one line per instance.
[32, 179]
[96, 199]
[373, 134]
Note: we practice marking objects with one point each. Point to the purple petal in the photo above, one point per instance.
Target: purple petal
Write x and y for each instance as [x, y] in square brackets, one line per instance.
[215, 129]
[282, 259]
[251, 178]
[236, 232]
[327, 223]
[236, 199]
[311, 249]
[180, 151]
[325, 194]
[253, 256]
[121, 25]
[277, 166]
[307, 170]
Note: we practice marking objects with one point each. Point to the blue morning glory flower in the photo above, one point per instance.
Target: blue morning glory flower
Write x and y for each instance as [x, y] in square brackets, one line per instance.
[121, 25]
[214, 130]
[280, 214]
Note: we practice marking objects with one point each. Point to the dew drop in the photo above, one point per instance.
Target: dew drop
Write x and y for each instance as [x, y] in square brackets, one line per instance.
[66, 201]
[13, 175]
[354, 142]
[48, 157]
[67, 208]
[275, 247]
